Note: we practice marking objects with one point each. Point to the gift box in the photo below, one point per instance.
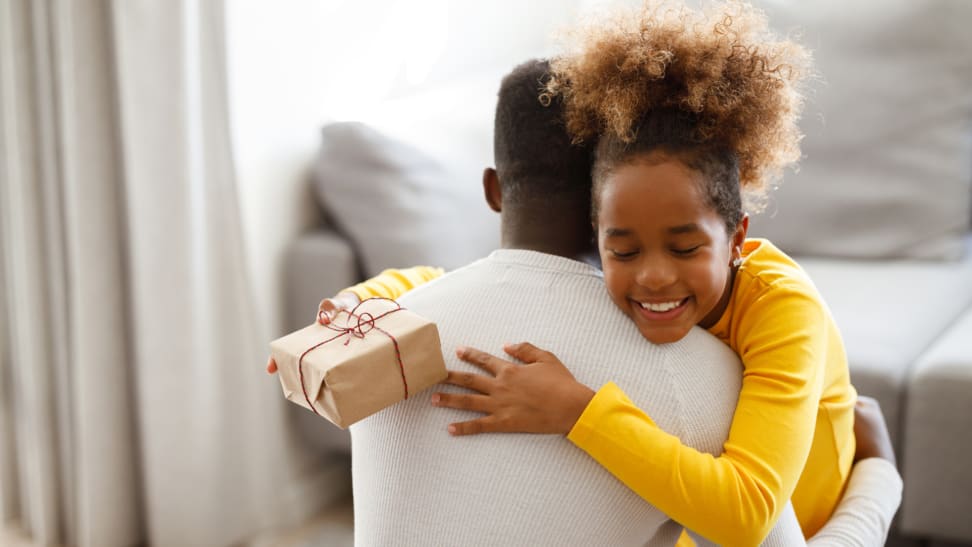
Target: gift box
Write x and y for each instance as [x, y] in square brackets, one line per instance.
[363, 361]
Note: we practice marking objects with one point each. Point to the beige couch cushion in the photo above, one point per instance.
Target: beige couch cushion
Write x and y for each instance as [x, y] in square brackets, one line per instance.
[889, 312]
[404, 180]
[401, 205]
[886, 172]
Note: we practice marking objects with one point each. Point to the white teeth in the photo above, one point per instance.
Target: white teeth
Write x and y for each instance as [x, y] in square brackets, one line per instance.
[660, 307]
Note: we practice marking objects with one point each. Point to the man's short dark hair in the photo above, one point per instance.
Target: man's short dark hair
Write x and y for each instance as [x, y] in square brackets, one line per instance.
[535, 159]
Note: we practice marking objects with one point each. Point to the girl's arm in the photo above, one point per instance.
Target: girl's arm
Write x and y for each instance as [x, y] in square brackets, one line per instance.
[732, 499]
[390, 283]
[393, 283]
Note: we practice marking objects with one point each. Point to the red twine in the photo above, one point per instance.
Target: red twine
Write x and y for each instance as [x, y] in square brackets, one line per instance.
[358, 331]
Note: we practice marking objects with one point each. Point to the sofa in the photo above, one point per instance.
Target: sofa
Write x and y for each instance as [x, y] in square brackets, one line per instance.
[879, 213]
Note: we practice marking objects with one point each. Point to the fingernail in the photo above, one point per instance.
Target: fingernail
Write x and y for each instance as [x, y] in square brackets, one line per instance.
[460, 350]
[452, 429]
[436, 398]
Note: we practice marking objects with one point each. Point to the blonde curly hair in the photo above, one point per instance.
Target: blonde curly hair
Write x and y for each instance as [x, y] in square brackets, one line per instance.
[674, 79]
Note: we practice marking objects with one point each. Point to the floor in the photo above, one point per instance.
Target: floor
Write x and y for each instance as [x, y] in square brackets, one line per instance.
[332, 528]
[11, 536]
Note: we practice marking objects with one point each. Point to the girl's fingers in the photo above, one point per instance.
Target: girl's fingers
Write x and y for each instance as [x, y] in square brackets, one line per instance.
[324, 310]
[328, 309]
[486, 424]
[469, 380]
[528, 353]
[483, 360]
[462, 401]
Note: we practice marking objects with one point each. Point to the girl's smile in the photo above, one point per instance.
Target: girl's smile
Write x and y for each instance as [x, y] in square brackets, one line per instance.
[662, 311]
[665, 251]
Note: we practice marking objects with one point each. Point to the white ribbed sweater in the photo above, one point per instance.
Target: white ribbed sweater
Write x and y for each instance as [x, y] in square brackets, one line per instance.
[416, 485]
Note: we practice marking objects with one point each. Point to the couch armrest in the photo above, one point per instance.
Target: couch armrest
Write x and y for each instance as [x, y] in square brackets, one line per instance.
[318, 264]
[938, 438]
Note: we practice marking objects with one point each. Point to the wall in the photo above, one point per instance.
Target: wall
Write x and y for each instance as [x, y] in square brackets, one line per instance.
[296, 64]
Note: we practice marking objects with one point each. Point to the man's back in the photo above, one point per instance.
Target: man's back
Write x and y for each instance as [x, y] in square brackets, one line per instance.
[416, 485]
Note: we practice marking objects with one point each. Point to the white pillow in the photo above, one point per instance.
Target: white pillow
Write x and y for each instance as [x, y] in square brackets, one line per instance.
[401, 205]
[887, 155]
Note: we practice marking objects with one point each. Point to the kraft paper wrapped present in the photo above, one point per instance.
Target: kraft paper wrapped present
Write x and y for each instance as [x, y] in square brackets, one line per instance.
[363, 361]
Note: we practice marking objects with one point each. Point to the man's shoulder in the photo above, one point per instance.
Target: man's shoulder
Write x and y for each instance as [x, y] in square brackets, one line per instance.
[570, 295]
[509, 271]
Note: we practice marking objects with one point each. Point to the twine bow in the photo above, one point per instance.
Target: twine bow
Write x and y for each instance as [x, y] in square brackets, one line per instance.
[364, 323]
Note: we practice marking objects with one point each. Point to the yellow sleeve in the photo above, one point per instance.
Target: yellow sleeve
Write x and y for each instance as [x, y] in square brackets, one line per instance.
[393, 283]
[735, 498]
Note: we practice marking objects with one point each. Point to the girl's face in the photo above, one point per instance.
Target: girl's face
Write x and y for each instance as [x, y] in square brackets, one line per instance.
[665, 252]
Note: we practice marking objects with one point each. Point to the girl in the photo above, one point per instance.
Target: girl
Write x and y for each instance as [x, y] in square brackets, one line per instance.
[690, 111]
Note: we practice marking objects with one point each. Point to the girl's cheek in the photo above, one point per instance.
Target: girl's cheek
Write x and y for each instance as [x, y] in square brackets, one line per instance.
[715, 278]
[614, 280]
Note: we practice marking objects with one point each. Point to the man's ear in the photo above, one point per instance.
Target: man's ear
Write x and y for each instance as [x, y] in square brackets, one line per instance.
[491, 189]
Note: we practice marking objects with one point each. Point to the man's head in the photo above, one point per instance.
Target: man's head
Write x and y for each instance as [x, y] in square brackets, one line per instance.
[542, 182]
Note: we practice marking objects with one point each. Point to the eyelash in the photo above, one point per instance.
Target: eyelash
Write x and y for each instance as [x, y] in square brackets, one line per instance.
[685, 252]
[623, 256]
[677, 252]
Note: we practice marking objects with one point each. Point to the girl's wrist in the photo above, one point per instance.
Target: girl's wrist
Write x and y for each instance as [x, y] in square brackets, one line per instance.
[578, 399]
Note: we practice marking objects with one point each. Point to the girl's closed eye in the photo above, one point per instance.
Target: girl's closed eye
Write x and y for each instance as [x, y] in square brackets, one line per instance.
[622, 254]
[686, 251]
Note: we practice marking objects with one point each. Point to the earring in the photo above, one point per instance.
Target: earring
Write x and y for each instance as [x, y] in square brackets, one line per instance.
[737, 262]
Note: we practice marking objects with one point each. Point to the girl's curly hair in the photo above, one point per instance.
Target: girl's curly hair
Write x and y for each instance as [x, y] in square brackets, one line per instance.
[719, 74]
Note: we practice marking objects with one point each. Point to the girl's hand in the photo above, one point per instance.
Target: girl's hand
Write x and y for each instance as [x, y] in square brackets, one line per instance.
[325, 313]
[540, 396]
[329, 307]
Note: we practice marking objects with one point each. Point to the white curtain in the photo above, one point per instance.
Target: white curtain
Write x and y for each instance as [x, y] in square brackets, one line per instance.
[133, 406]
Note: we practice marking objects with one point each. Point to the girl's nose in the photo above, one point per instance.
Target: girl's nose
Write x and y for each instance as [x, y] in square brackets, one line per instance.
[656, 274]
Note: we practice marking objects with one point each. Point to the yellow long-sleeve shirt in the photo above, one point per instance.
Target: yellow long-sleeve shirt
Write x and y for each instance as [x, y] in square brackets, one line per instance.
[792, 433]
